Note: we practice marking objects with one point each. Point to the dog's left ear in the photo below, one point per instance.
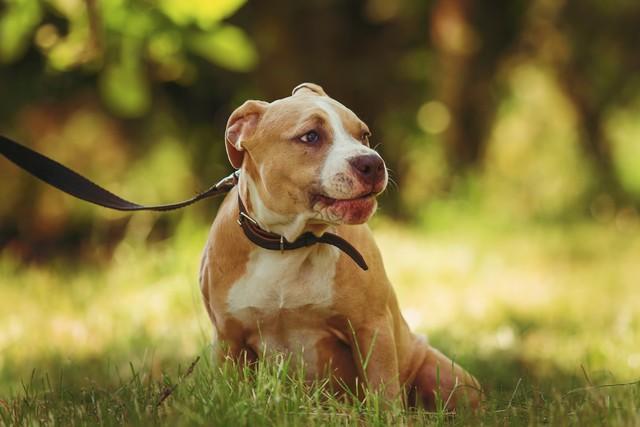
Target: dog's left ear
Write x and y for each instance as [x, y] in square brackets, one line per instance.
[240, 127]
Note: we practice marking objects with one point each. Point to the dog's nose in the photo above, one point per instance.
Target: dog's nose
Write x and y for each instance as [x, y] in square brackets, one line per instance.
[369, 167]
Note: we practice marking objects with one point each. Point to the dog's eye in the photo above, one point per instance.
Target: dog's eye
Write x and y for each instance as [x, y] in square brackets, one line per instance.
[310, 137]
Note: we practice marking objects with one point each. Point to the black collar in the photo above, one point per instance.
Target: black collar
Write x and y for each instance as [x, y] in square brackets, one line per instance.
[277, 242]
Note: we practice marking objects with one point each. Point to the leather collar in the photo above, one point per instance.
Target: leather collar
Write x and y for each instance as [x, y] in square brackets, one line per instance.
[277, 242]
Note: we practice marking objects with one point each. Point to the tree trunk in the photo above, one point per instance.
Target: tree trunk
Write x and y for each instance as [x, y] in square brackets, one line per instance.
[594, 140]
[472, 39]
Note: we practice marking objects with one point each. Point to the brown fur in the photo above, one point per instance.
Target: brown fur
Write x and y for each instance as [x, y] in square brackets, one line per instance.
[364, 313]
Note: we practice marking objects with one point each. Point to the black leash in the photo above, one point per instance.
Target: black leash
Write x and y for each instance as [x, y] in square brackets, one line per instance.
[76, 185]
[64, 179]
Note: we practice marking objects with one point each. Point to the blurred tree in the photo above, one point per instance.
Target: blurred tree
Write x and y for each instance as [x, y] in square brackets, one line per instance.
[597, 62]
[473, 39]
[591, 46]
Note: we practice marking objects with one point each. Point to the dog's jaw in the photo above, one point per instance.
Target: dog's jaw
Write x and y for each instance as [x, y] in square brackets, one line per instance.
[289, 225]
[346, 211]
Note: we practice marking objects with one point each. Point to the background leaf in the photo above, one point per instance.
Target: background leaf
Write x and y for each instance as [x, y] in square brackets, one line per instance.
[227, 46]
[17, 25]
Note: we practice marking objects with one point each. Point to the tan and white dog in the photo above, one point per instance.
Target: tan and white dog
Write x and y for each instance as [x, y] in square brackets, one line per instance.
[306, 165]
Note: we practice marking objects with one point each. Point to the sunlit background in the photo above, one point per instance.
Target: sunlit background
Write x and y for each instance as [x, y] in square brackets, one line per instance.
[511, 129]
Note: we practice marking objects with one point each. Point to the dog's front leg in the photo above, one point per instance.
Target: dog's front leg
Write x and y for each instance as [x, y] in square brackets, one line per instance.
[374, 350]
[232, 347]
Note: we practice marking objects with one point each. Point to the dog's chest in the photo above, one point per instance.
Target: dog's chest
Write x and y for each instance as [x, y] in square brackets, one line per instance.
[277, 283]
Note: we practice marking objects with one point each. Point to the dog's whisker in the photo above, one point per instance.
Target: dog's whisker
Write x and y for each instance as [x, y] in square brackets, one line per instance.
[392, 181]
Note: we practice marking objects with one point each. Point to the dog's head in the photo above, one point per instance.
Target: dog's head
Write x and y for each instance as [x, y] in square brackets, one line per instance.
[306, 159]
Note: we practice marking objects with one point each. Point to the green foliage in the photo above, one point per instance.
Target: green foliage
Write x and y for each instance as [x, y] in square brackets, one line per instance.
[226, 45]
[16, 27]
[205, 13]
[123, 84]
[624, 129]
[130, 45]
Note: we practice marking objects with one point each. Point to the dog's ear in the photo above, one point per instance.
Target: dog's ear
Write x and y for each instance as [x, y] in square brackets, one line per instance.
[309, 89]
[240, 127]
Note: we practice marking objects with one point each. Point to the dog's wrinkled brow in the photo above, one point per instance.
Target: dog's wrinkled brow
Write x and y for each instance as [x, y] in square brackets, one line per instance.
[316, 119]
[319, 118]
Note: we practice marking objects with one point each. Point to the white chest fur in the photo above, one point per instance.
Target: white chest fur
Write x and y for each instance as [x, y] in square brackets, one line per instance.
[276, 281]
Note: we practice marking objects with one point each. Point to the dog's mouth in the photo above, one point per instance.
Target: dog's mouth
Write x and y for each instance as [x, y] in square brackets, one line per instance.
[330, 201]
[355, 210]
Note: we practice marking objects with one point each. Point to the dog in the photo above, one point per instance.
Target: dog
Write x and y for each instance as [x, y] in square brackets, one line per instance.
[306, 169]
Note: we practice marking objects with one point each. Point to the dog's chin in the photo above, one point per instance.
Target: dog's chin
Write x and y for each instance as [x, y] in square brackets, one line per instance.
[357, 210]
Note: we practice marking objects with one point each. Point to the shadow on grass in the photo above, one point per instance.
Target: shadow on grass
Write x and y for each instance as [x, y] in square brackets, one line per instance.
[124, 386]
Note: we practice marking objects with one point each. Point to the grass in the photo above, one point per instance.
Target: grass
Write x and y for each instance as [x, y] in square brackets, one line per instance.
[547, 316]
[275, 394]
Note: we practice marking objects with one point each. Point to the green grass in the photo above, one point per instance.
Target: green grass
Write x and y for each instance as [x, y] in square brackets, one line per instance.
[547, 316]
[275, 394]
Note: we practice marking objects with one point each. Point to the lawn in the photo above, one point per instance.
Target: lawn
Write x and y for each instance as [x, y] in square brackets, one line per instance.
[546, 315]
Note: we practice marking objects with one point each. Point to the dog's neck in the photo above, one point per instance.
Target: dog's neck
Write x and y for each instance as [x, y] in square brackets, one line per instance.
[291, 226]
